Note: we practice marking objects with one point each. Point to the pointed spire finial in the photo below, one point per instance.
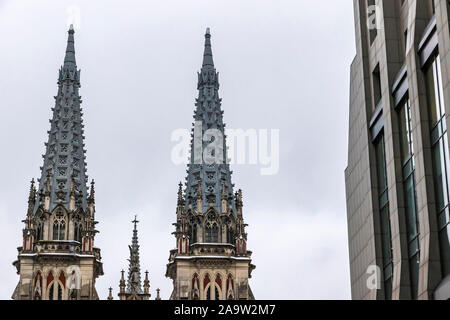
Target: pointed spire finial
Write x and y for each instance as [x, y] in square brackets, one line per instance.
[180, 200]
[32, 195]
[69, 59]
[207, 54]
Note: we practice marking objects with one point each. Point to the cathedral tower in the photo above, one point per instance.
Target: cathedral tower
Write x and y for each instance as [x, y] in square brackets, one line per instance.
[211, 260]
[58, 260]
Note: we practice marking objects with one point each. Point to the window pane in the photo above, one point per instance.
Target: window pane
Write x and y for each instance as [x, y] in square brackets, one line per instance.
[410, 203]
[55, 231]
[414, 267]
[431, 97]
[444, 240]
[50, 292]
[62, 229]
[438, 177]
[405, 135]
[386, 235]
[385, 224]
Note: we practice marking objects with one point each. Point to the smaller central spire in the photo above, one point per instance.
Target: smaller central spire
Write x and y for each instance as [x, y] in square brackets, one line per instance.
[207, 54]
[134, 270]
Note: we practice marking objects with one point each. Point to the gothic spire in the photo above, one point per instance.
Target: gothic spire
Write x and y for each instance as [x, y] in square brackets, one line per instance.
[209, 173]
[134, 269]
[65, 155]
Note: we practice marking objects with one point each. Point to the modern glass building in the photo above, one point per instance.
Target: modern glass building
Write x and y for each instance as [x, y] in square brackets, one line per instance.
[398, 174]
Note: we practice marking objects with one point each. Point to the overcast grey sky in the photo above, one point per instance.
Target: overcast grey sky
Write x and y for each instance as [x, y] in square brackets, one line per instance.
[283, 65]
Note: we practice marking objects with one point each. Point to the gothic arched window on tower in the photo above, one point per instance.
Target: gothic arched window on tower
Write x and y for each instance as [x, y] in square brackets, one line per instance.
[62, 229]
[215, 234]
[208, 233]
[230, 234]
[212, 233]
[77, 232]
[194, 233]
[55, 230]
[59, 230]
[40, 230]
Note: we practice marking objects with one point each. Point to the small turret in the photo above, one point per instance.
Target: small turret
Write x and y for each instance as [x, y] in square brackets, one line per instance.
[122, 283]
[180, 200]
[146, 284]
[110, 296]
[91, 198]
[239, 203]
[158, 297]
[31, 198]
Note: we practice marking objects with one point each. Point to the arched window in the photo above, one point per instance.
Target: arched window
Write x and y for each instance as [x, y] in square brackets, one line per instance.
[215, 234]
[212, 233]
[40, 231]
[62, 230]
[59, 292]
[217, 297]
[208, 233]
[230, 287]
[230, 235]
[194, 233]
[50, 292]
[59, 230]
[55, 230]
[77, 232]
[208, 293]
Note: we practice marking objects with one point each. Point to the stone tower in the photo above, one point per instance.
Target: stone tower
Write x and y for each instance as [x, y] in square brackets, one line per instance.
[211, 260]
[132, 289]
[58, 260]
